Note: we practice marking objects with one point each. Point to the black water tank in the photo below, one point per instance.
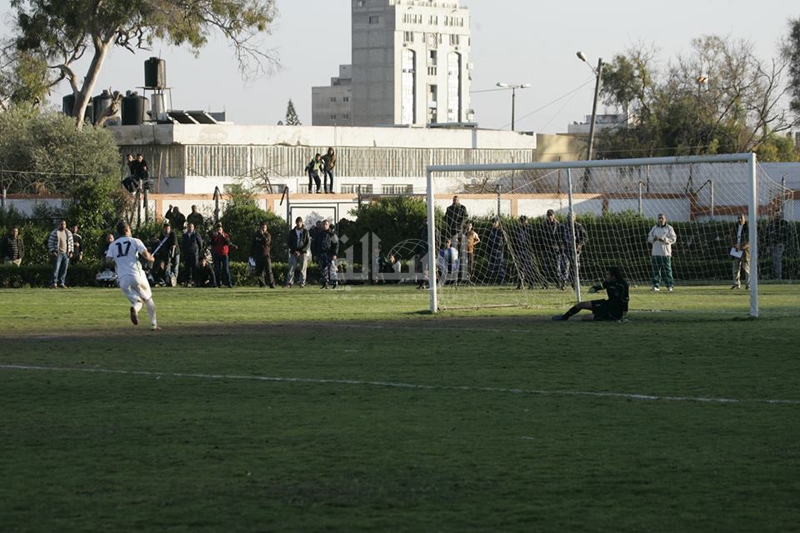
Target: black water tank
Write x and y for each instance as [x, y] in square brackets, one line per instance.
[155, 73]
[133, 108]
[68, 104]
[101, 103]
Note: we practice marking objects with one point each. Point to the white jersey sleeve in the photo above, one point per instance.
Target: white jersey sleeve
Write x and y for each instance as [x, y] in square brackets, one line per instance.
[125, 253]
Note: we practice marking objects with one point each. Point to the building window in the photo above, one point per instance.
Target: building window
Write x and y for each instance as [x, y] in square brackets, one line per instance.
[356, 188]
[345, 98]
[397, 189]
[333, 117]
[361, 3]
[346, 116]
[374, 19]
[333, 98]
[408, 36]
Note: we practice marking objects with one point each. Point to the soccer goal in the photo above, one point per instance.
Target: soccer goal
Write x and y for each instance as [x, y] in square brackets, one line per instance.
[540, 234]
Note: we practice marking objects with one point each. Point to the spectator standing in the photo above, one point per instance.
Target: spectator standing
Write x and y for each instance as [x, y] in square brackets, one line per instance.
[168, 256]
[553, 245]
[468, 240]
[191, 248]
[220, 248]
[260, 252]
[454, 216]
[329, 252]
[195, 218]
[59, 244]
[77, 245]
[662, 236]
[299, 242]
[176, 218]
[12, 248]
[313, 169]
[328, 164]
[777, 238]
[496, 268]
[740, 252]
[316, 241]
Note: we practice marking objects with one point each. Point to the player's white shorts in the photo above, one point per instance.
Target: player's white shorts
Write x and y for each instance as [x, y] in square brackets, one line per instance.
[135, 288]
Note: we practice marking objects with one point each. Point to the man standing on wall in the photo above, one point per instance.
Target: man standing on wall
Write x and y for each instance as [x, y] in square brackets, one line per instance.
[328, 164]
[662, 236]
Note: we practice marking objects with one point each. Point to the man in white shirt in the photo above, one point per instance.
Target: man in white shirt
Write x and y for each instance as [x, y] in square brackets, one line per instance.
[662, 237]
[125, 252]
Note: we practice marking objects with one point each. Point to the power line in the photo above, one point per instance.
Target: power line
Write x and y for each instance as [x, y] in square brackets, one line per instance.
[570, 93]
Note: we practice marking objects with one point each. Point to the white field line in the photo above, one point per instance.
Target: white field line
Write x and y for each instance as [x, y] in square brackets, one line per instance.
[412, 386]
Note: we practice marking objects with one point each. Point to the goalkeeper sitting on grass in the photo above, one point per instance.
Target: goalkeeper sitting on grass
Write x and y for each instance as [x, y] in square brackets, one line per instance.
[615, 308]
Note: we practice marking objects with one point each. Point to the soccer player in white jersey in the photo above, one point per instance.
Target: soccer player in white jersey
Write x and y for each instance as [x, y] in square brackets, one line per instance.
[125, 252]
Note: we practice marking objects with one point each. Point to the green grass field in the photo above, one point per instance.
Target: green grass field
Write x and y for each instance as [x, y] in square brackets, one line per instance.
[355, 410]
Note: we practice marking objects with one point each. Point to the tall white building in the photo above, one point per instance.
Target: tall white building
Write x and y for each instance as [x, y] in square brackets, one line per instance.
[410, 65]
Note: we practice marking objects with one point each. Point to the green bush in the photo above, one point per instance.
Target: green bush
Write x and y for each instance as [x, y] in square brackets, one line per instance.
[240, 220]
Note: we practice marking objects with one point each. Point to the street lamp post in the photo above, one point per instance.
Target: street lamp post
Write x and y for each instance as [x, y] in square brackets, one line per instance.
[513, 88]
[598, 72]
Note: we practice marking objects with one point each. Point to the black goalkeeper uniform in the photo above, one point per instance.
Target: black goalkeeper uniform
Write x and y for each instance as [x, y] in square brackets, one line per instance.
[616, 307]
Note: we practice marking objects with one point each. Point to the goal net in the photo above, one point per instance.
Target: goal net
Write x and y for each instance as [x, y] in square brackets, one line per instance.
[541, 234]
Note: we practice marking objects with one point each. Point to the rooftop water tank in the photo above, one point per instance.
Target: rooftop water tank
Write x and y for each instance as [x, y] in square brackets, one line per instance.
[133, 109]
[155, 73]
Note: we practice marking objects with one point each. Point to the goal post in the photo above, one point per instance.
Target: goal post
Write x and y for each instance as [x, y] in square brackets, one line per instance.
[588, 189]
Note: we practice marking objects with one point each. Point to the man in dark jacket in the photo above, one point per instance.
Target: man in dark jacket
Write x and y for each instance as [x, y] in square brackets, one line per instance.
[299, 242]
[260, 252]
[329, 252]
[191, 248]
[454, 216]
[315, 234]
[12, 248]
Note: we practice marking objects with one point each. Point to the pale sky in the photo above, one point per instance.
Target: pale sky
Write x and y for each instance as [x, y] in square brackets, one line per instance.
[513, 41]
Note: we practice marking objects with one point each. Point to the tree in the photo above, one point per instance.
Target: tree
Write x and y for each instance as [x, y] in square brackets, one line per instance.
[60, 32]
[791, 53]
[291, 115]
[43, 153]
[720, 98]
